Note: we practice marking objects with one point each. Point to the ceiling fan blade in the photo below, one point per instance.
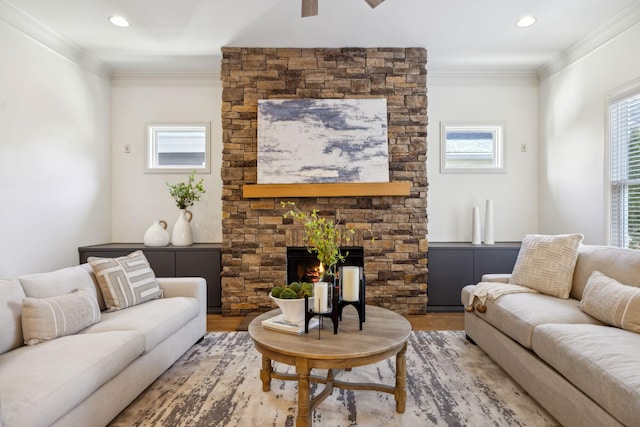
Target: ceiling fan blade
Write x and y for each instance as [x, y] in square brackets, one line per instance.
[309, 8]
[374, 3]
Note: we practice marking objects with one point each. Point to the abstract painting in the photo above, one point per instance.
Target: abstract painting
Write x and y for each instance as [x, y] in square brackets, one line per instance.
[322, 141]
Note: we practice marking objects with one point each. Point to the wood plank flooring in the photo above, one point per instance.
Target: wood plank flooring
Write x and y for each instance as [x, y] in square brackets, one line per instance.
[422, 322]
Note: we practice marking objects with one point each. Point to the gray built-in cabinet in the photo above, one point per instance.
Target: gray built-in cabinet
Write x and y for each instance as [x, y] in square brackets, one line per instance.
[452, 266]
[197, 260]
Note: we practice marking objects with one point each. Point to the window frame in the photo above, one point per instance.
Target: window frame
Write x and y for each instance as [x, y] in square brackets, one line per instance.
[617, 198]
[498, 129]
[151, 147]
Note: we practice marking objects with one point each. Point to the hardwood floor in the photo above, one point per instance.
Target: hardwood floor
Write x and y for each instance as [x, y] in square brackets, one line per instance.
[423, 322]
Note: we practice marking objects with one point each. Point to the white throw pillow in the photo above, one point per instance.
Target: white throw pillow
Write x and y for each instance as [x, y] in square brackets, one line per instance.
[611, 302]
[44, 319]
[125, 281]
[546, 263]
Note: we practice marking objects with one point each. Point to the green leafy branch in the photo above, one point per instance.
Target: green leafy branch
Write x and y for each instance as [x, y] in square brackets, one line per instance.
[186, 194]
[322, 235]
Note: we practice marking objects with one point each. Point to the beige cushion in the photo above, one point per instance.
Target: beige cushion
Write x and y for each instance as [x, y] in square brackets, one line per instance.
[620, 264]
[11, 296]
[517, 315]
[44, 319]
[156, 320]
[125, 281]
[39, 384]
[61, 282]
[612, 302]
[546, 263]
[601, 361]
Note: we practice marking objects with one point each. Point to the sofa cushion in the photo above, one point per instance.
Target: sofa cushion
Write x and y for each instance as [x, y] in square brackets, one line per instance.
[620, 264]
[60, 282]
[49, 318]
[517, 315]
[601, 361]
[546, 263]
[11, 296]
[125, 281]
[612, 302]
[41, 383]
[155, 320]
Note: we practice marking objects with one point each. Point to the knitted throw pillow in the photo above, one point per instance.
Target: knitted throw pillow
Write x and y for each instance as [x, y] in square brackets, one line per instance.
[546, 263]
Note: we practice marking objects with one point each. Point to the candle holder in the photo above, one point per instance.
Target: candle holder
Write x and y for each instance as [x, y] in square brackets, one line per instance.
[325, 304]
[352, 291]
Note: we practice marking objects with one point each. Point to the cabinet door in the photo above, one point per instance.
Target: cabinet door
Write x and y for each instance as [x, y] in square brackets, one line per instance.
[162, 263]
[203, 264]
[449, 271]
[493, 261]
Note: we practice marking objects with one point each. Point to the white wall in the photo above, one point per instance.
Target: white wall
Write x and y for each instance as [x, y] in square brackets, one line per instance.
[573, 138]
[55, 164]
[451, 197]
[139, 198]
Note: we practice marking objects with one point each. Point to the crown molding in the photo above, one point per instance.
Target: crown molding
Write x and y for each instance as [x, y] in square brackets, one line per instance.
[52, 40]
[442, 78]
[166, 77]
[613, 27]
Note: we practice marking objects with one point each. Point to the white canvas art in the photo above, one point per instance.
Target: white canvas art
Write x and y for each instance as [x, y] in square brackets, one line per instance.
[322, 141]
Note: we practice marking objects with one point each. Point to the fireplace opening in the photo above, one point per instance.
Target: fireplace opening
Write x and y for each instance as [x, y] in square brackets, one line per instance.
[303, 266]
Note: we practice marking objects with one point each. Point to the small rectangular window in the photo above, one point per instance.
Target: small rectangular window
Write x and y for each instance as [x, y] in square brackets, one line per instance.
[178, 147]
[472, 148]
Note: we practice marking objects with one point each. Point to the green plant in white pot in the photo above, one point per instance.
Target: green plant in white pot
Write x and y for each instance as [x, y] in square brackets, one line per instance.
[185, 195]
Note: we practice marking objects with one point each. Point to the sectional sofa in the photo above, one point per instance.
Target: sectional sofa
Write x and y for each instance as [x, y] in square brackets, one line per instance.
[576, 352]
[88, 360]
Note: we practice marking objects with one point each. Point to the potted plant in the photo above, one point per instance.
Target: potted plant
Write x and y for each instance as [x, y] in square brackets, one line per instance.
[323, 237]
[185, 195]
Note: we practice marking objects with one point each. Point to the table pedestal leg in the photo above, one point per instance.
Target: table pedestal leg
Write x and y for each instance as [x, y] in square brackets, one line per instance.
[401, 379]
[265, 373]
[304, 414]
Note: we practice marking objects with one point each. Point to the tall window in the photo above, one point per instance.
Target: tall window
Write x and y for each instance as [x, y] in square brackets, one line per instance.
[624, 138]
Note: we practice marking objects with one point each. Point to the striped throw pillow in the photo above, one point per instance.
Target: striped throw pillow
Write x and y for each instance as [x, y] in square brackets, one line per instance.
[125, 281]
[44, 319]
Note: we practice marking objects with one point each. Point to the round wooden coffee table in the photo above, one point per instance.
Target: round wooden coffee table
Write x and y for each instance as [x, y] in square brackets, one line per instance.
[384, 334]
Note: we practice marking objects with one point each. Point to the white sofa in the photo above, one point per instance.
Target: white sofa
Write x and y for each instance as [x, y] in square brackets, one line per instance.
[87, 378]
[581, 370]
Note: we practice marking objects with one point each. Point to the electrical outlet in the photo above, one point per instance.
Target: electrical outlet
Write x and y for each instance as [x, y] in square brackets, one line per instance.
[127, 149]
[523, 148]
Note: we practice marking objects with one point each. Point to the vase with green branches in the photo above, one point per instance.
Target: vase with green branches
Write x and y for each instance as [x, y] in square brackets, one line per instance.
[322, 236]
[185, 195]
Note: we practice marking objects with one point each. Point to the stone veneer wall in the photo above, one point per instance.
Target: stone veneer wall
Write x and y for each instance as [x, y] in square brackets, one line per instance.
[255, 235]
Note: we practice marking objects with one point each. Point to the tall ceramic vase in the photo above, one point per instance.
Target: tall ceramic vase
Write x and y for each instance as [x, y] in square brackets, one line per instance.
[182, 234]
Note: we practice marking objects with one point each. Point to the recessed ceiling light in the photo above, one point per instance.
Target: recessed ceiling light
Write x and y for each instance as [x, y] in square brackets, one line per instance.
[525, 21]
[119, 21]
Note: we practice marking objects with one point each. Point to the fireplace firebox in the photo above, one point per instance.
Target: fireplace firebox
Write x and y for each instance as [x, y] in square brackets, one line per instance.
[303, 266]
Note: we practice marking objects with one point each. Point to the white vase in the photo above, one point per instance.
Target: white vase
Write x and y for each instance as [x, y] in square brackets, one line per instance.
[182, 234]
[157, 234]
[475, 226]
[488, 223]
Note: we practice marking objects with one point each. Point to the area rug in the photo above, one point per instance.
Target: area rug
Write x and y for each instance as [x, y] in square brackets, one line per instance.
[450, 382]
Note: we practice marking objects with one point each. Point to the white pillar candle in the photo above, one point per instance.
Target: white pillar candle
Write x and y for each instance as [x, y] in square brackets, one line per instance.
[320, 296]
[350, 282]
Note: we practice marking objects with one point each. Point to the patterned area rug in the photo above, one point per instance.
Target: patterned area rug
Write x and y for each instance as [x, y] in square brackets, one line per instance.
[450, 382]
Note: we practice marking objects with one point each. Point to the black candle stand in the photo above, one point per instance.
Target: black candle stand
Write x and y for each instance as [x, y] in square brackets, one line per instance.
[333, 314]
[337, 305]
[359, 305]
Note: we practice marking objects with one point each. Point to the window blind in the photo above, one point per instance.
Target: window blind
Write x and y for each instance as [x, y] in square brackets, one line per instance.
[624, 138]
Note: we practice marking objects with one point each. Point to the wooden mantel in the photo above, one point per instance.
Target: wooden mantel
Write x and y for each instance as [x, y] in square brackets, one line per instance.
[254, 191]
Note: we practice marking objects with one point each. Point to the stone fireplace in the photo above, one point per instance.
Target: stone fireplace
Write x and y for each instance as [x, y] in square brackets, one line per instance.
[255, 234]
